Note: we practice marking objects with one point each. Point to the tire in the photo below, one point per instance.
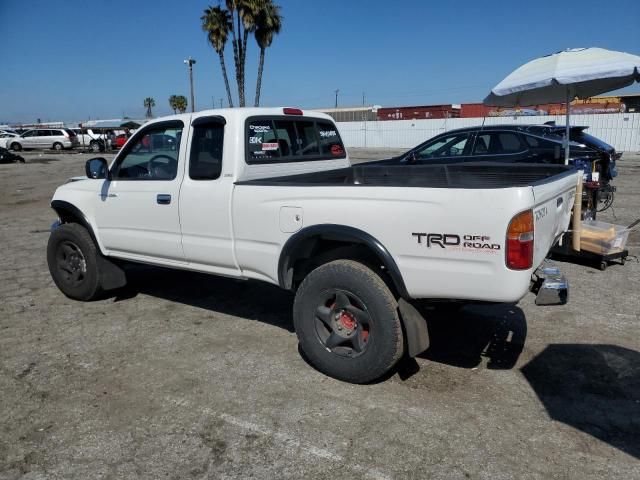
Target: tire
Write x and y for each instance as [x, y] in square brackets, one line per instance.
[73, 262]
[95, 146]
[347, 322]
[16, 147]
[58, 146]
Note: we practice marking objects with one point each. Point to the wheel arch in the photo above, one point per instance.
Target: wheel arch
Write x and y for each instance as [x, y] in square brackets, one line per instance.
[112, 275]
[69, 213]
[305, 242]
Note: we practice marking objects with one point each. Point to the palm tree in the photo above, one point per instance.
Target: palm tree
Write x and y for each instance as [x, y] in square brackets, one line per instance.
[148, 103]
[172, 103]
[181, 103]
[248, 13]
[216, 22]
[268, 24]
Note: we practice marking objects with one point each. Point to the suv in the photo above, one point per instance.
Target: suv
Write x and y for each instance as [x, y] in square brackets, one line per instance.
[56, 138]
[513, 144]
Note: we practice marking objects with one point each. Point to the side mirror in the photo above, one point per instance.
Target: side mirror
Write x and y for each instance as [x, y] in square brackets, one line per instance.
[97, 168]
[411, 158]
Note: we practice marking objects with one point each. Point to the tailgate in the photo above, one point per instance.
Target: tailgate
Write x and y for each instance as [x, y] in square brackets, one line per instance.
[552, 212]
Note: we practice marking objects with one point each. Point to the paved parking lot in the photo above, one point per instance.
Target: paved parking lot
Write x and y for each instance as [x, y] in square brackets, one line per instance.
[187, 376]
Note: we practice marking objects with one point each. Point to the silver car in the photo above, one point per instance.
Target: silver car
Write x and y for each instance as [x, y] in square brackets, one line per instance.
[56, 138]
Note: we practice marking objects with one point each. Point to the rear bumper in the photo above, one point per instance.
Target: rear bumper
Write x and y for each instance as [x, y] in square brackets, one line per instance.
[550, 287]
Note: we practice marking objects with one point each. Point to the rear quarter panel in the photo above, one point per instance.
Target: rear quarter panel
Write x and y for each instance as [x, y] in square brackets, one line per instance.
[401, 219]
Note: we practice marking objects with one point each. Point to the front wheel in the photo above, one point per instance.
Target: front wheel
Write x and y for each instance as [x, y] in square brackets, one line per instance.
[347, 322]
[95, 146]
[73, 262]
[16, 147]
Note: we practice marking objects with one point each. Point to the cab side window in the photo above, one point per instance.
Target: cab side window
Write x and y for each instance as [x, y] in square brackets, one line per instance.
[448, 146]
[497, 143]
[205, 159]
[152, 155]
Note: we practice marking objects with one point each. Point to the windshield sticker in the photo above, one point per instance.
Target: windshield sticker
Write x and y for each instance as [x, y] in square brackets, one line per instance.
[260, 128]
[255, 140]
[269, 146]
[336, 150]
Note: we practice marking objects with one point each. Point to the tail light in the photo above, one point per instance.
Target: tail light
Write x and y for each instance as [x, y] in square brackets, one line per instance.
[520, 241]
[291, 111]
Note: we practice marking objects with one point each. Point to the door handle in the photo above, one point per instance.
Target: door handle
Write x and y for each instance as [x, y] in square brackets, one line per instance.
[163, 199]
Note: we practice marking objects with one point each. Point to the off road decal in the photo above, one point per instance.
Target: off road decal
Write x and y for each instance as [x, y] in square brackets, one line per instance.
[451, 241]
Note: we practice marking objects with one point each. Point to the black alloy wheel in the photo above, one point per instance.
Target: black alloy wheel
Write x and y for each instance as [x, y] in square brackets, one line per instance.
[342, 323]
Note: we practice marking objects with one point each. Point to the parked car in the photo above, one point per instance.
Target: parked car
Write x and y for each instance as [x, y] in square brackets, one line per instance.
[119, 141]
[512, 143]
[89, 138]
[269, 194]
[7, 156]
[56, 138]
[5, 136]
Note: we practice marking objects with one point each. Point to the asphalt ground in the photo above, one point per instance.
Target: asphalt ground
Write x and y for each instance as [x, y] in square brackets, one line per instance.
[186, 376]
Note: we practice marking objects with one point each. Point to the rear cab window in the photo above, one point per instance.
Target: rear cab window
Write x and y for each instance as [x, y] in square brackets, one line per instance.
[291, 139]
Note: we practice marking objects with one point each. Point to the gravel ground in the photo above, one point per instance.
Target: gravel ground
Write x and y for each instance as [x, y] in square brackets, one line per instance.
[187, 376]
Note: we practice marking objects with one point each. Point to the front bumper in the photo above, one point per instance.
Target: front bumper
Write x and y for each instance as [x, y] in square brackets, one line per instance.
[550, 287]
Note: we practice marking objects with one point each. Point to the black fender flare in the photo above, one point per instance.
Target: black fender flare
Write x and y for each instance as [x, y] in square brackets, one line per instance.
[112, 275]
[414, 324]
[343, 233]
[67, 211]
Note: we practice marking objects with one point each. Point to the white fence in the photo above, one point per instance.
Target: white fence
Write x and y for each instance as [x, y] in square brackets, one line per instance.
[622, 130]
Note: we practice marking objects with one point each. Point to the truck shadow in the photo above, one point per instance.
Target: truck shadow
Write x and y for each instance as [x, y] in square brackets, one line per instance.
[593, 388]
[464, 337]
[248, 299]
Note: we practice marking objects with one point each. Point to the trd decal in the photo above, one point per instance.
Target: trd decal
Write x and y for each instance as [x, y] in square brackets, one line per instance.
[455, 242]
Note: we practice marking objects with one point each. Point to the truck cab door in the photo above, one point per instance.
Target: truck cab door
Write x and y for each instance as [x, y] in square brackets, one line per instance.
[205, 198]
[137, 212]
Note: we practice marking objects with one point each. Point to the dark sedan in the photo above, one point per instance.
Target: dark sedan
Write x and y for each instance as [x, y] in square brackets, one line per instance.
[513, 143]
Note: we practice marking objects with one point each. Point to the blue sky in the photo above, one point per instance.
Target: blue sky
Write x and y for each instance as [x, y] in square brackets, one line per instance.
[79, 59]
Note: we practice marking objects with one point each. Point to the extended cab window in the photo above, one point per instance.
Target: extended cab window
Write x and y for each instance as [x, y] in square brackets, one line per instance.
[205, 160]
[152, 155]
[283, 139]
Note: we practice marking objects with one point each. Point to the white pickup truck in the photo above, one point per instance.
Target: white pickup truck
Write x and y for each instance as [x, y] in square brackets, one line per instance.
[91, 139]
[270, 194]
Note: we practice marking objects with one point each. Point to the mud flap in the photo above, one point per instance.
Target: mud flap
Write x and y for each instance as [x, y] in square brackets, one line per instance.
[112, 275]
[415, 327]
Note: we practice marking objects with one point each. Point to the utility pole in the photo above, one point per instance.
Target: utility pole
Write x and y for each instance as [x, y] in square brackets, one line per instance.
[337, 90]
[190, 61]
[220, 103]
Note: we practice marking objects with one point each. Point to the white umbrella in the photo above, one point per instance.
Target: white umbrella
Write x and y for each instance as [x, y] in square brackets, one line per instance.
[562, 76]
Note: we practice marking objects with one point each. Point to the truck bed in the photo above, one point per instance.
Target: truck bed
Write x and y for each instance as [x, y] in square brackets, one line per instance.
[468, 175]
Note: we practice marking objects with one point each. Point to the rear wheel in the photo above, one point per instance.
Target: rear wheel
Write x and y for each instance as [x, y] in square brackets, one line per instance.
[57, 146]
[95, 146]
[73, 262]
[347, 322]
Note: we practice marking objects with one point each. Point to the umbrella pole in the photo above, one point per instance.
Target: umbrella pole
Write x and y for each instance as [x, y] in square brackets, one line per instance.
[566, 135]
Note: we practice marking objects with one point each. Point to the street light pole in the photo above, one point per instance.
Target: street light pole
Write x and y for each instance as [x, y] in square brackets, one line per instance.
[337, 90]
[190, 61]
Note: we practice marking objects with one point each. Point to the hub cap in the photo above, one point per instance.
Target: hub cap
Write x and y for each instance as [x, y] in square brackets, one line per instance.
[342, 323]
[71, 263]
